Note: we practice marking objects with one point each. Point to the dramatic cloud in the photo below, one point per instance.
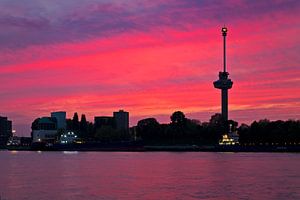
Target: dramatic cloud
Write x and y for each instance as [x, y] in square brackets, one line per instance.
[148, 57]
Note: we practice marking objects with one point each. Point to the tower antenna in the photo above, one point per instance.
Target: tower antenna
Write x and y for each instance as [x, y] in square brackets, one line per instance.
[224, 33]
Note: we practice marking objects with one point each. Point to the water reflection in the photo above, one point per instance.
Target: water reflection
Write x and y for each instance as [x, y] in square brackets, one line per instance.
[134, 175]
[70, 152]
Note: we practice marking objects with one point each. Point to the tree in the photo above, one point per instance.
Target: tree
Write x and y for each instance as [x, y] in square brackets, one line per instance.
[90, 130]
[75, 122]
[178, 118]
[217, 127]
[216, 120]
[148, 129]
[108, 134]
[83, 127]
[232, 125]
[244, 133]
[265, 132]
[69, 123]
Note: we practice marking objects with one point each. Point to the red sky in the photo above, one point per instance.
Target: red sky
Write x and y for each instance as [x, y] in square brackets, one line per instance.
[150, 58]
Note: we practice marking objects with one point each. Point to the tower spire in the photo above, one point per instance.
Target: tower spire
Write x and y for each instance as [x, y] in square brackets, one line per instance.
[224, 33]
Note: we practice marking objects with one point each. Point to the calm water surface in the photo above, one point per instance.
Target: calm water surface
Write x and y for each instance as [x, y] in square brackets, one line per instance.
[148, 175]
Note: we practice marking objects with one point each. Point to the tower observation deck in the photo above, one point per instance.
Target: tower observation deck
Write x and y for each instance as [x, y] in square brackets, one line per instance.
[224, 83]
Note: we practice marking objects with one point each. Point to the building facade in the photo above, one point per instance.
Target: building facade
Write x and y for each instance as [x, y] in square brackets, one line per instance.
[44, 130]
[5, 130]
[121, 119]
[61, 119]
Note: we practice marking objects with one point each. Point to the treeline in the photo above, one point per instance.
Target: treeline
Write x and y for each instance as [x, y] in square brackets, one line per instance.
[265, 132]
[181, 130]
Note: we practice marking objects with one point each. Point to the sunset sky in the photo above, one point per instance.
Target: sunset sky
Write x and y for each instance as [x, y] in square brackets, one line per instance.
[148, 57]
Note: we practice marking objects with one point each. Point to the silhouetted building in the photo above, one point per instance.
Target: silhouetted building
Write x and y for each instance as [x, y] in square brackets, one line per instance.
[100, 121]
[26, 141]
[5, 130]
[44, 130]
[224, 84]
[61, 119]
[121, 120]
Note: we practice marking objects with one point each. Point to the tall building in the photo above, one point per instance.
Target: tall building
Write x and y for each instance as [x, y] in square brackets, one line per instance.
[121, 120]
[224, 83]
[61, 119]
[5, 130]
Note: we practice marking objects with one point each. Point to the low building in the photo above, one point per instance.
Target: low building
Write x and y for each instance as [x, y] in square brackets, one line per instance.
[44, 130]
[5, 130]
[101, 121]
[14, 141]
[119, 121]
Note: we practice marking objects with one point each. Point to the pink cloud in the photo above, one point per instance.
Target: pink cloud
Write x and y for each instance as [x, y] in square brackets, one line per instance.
[155, 68]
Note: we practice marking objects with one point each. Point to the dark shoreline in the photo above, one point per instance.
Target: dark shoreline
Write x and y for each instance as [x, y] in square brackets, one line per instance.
[186, 148]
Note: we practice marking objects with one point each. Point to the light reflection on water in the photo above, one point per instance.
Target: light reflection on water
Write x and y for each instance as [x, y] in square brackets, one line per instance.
[148, 175]
[70, 152]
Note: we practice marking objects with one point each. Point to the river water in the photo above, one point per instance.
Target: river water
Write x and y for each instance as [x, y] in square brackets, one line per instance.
[148, 175]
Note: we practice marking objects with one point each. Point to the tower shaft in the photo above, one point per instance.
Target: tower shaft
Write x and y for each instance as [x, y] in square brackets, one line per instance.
[224, 96]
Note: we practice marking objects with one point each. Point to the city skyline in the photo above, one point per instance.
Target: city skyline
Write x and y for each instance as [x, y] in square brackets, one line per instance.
[149, 58]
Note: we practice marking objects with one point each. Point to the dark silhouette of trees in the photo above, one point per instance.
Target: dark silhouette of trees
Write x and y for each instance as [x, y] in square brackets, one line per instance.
[149, 130]
[83, 127]
[216, 128]
[232, 125]
[180, 131]
[184, 131]
[75, 122]
[69, 123]
[178, 118]
[90, 130]
[265, 132]
[106, 134]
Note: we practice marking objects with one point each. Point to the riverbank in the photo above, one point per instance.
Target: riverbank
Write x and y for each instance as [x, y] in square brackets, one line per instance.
[178, 148]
